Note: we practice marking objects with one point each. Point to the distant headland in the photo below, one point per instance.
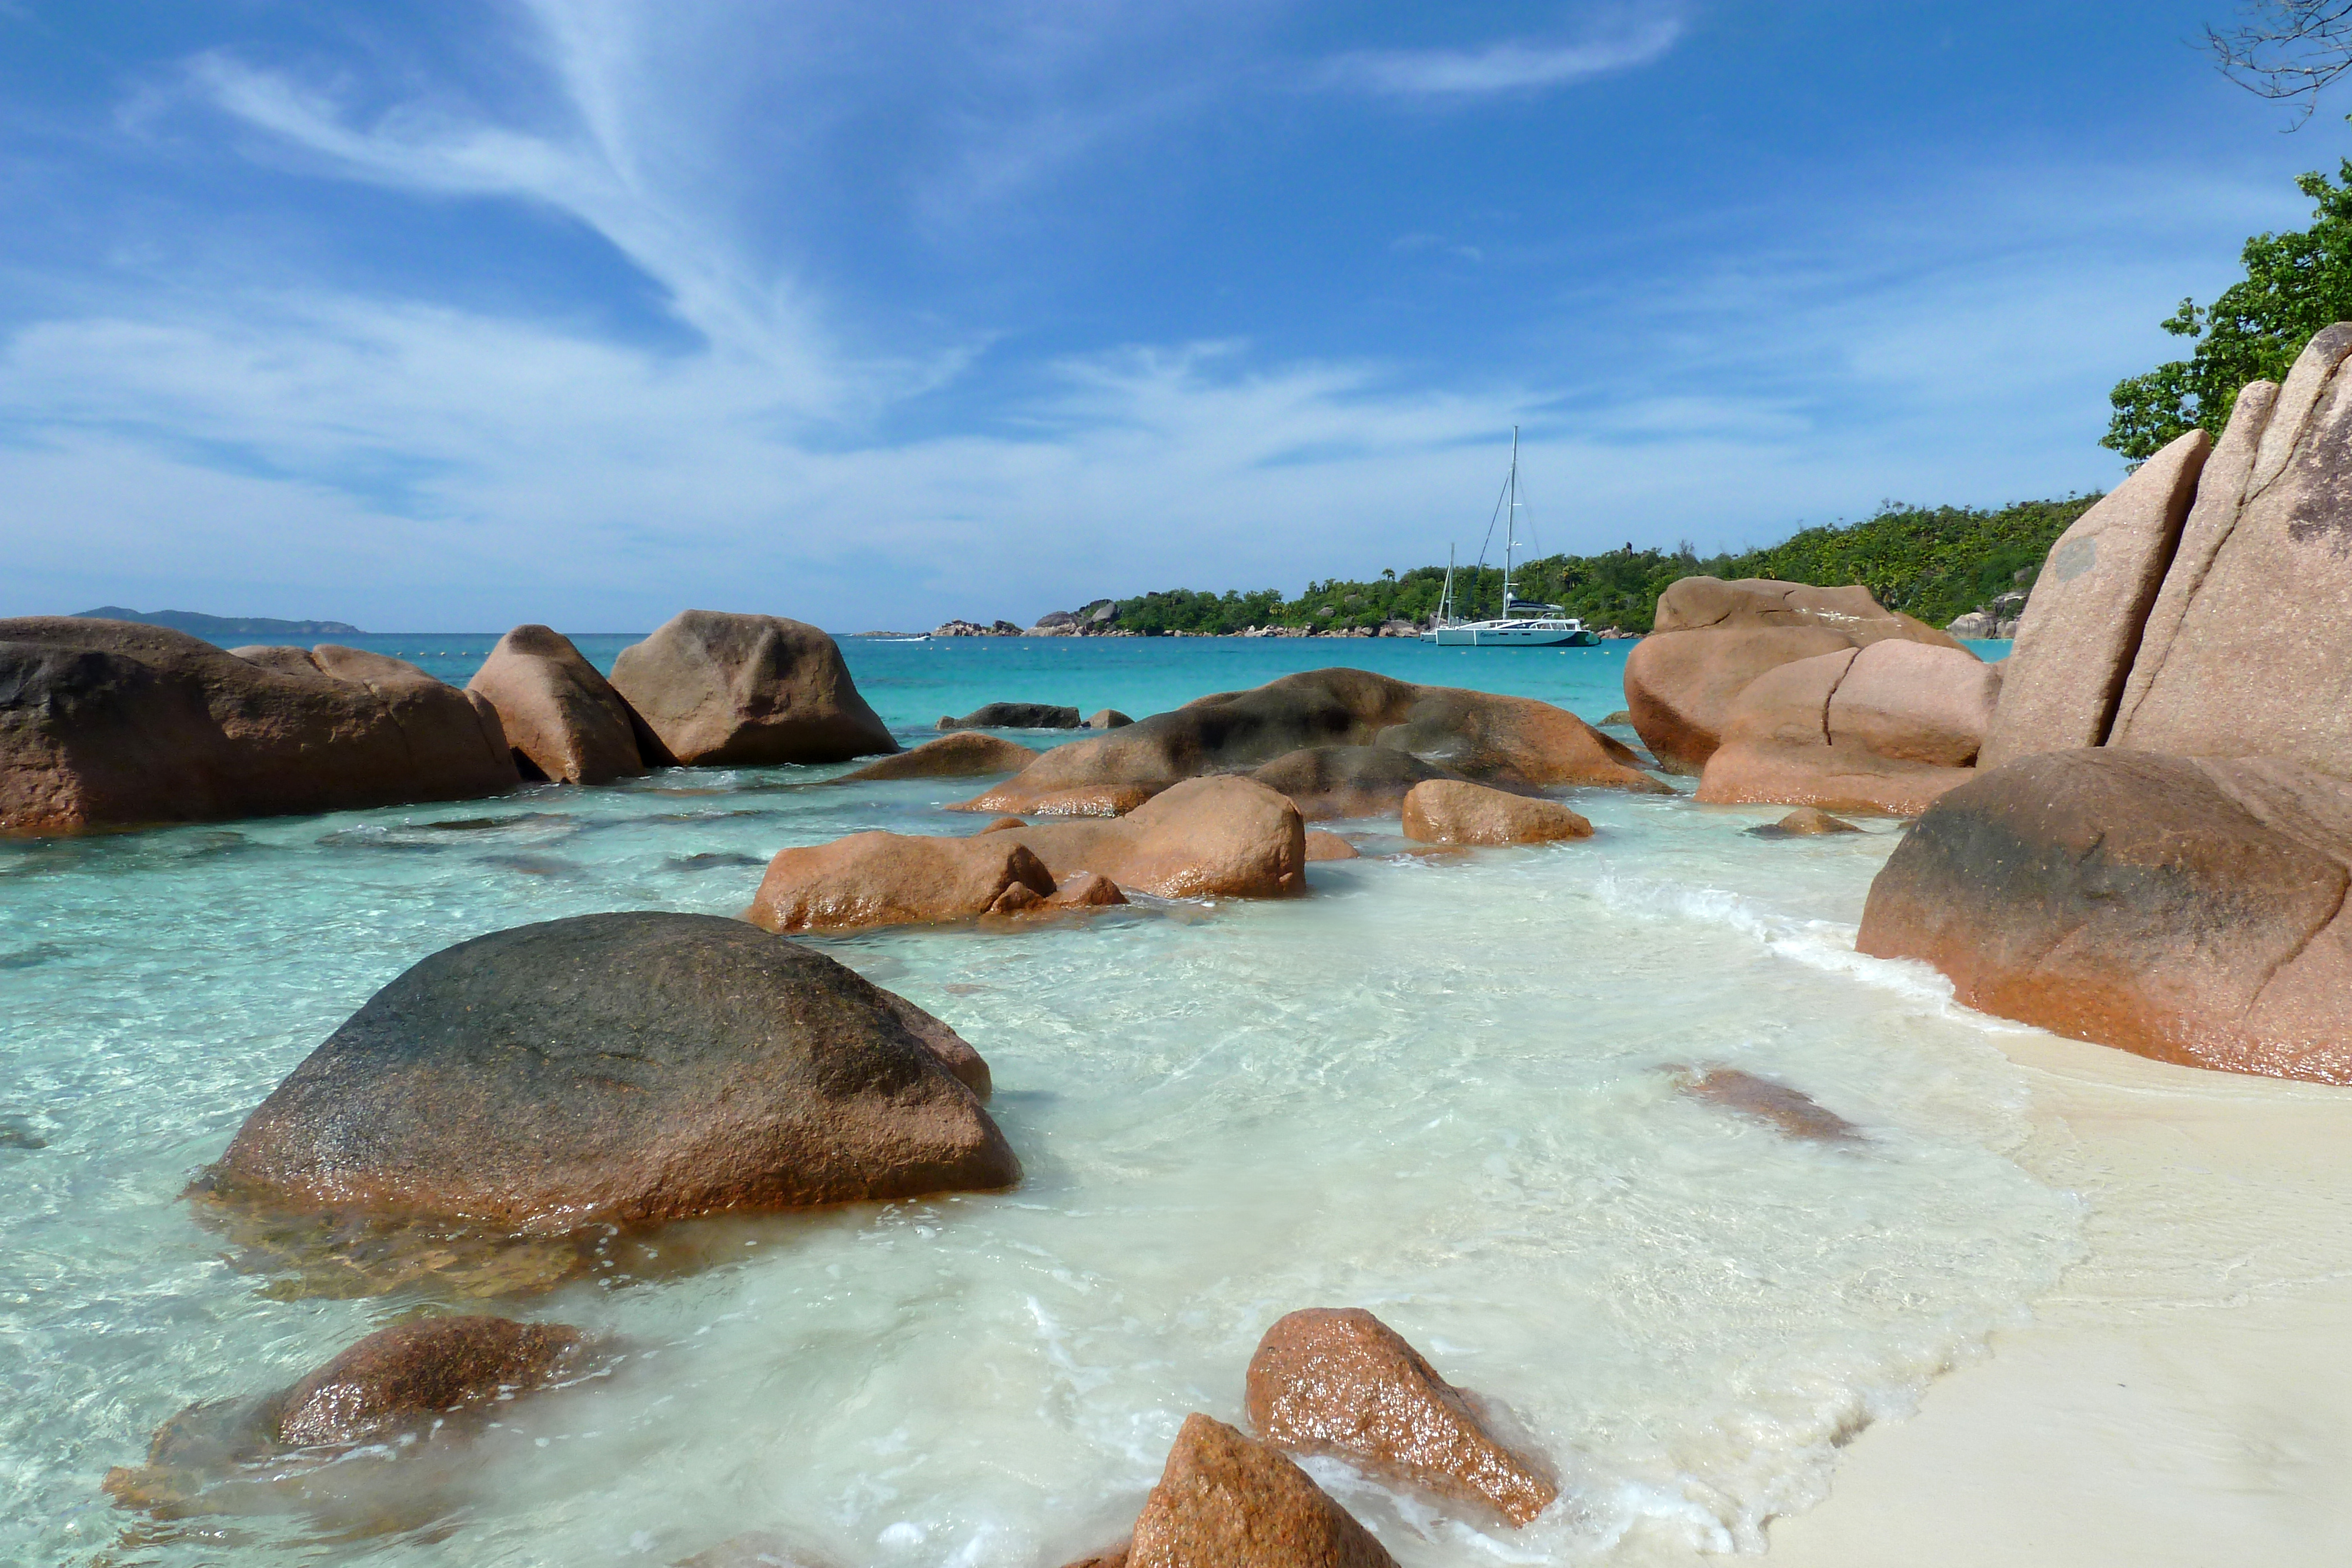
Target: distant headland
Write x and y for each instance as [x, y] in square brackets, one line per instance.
[199, 625]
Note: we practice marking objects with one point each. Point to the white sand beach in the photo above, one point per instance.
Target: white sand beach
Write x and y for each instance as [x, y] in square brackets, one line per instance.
[2183, 1400]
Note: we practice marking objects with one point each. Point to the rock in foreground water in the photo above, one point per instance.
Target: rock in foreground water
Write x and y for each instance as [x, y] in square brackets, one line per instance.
[435, 1379]
[616, 1068]
[1224, 1501]
[725, 690]
[1339, 1381]
[1793, 1112]
[958, 755]
[1450, 812]
[1804, 823]
[560, 714]
[897, 879]
[1224, 837]
[1713, 637]
[108, 723]
[2190, 910]
[1513, 740]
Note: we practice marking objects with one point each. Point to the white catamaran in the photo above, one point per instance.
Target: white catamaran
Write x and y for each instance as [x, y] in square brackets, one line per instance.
[1524, 624]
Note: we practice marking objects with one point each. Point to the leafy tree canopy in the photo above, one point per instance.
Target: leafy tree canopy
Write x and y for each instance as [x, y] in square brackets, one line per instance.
[1932, 562]
[2295, 284]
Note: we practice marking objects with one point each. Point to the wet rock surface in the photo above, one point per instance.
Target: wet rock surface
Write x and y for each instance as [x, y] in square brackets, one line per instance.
[1452, 811]
[1225, 1501]
[897, 879]
[560, 715]
[1323, 846]
[725, 690]
[1498, 739]
[1804, 823]
[2190, 910]
[108, 723]
[616, 1068]
[958, 755]
[1339, 1381]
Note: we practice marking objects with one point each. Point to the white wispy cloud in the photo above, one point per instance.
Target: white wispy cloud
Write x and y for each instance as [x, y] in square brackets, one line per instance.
[1513, 65]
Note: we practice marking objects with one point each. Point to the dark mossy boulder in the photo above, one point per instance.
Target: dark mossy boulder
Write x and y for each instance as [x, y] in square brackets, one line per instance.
[1333, 781]
[1016, 715]
[626, 1068]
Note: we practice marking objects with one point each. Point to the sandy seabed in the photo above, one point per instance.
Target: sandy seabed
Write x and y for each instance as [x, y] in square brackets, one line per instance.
[2184, 1398]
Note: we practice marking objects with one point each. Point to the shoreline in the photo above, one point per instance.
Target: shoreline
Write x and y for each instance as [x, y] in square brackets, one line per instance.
[2181, 1397]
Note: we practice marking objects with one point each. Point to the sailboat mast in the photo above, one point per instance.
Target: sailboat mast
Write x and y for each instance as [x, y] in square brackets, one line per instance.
[1511, 524]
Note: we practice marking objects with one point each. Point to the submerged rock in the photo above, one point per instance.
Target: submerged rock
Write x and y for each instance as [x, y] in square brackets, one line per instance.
[560, 715]
[1473, 735]
[1804, 823]
[1795, 1114]
[958, 755]
[755, 1549]
[107, 723]
[1339, 1381]
[1713, 638]
[1347, 782]
[1224, 1501]
[1016, 715]
[434, 1378]
[623, 1068]
[2189, 910]
[1453, 811]
[747, 690]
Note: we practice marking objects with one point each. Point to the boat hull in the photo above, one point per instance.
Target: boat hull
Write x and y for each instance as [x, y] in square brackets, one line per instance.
[1510, 637]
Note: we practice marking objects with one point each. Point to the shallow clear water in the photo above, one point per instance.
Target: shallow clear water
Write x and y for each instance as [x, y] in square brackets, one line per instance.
[1436, 1089]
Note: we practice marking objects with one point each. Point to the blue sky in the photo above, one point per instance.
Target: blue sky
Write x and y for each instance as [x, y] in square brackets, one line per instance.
[451, 315]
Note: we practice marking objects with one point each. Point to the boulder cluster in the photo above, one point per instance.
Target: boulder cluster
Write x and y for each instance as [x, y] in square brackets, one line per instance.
[1779, 693]
[2156, 850]
[109, 724]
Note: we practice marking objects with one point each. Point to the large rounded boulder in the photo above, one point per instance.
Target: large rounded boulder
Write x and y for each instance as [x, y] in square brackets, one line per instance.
[625, 1068]
[1510, 740]
[108, 723]
[2189, 910]
[1713, 638]
[1453, 811]
[1335, 781]
[561, 717]
[724, 690]
[1887, 727]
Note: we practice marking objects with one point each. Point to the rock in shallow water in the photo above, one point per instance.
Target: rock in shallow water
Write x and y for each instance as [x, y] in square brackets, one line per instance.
[560, 714]
[1339, 1381]
[107, 723]
[1793, 1112]
[1804, 823]
[1015, 716]
[1469, 734]
[620, 1068]
[2189, 910]
[1225, 1501]
[1347, 781]
[747, 690]
[1448, 812]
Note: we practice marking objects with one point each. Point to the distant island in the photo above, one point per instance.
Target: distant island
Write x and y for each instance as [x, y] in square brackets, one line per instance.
[211, 626]
[1937, 563]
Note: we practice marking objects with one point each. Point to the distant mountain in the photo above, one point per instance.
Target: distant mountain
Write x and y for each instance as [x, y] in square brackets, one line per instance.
[209, 626]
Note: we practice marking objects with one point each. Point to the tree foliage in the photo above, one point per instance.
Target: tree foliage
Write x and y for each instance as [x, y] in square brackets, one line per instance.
[1931, 562]
[2295, 284]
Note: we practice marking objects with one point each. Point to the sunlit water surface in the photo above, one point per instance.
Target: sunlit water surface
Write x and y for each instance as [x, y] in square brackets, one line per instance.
[1438, 1089]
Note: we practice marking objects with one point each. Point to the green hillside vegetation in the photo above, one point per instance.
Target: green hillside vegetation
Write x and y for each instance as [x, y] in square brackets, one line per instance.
[1931, 562]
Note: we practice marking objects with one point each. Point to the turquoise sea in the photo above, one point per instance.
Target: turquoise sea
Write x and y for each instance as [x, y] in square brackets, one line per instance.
[1439, 1088]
